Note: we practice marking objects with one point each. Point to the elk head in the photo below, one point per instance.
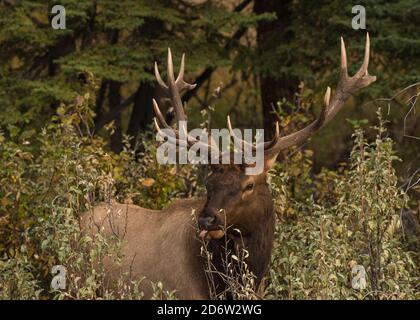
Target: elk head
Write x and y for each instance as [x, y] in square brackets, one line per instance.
[236, 200]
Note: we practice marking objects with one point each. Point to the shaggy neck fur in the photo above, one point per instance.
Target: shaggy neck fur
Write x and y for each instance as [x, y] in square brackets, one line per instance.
[258, 242]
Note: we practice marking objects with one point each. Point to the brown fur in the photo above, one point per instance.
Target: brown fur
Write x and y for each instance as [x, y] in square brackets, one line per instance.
[160, 246]
[164, 246]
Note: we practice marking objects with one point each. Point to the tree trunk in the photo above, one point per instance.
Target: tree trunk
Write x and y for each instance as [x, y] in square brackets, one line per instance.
[114, 99]
[269, 36]
[100, 98]
[142, 114]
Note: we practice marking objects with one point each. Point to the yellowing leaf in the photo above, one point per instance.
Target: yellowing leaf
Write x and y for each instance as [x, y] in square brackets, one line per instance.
[4, 201]
[148, 182]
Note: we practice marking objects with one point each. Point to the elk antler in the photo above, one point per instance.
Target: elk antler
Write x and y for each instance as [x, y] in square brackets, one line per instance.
[346, 87]
[173, 89]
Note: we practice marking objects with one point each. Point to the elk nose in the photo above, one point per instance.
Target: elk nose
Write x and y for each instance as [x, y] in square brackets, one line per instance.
[205, 222]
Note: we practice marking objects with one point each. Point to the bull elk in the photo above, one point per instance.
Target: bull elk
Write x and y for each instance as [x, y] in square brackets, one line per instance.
[165, 245]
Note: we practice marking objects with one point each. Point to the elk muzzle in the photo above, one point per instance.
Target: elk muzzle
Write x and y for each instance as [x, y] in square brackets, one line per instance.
[206, 223]
[210, 225]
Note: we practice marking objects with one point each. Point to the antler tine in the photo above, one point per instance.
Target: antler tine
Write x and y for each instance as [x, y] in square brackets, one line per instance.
[159, 78]
[165, 124]
[170, 67]
[323, 115]
[159, 131]
[364, 67]
[238, 141]
[343, 69]
[327, 97]
[180, 77]
[268, 145]
[157, 127]
[159, 114]
[180, 83]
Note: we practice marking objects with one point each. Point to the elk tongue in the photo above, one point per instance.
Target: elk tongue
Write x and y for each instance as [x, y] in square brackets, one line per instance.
[202, 234]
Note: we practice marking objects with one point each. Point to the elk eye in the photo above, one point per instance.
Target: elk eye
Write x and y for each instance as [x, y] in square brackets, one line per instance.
[249, 187]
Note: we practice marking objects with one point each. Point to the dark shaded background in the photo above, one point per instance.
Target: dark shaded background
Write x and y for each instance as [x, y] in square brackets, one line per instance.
[262, 55]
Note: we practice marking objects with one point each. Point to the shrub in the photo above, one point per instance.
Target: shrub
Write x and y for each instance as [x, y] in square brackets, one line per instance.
[327, 224]
[358, 223]
[47, 182]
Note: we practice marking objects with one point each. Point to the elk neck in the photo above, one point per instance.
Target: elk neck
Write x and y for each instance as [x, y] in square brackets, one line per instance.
[257, 239]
